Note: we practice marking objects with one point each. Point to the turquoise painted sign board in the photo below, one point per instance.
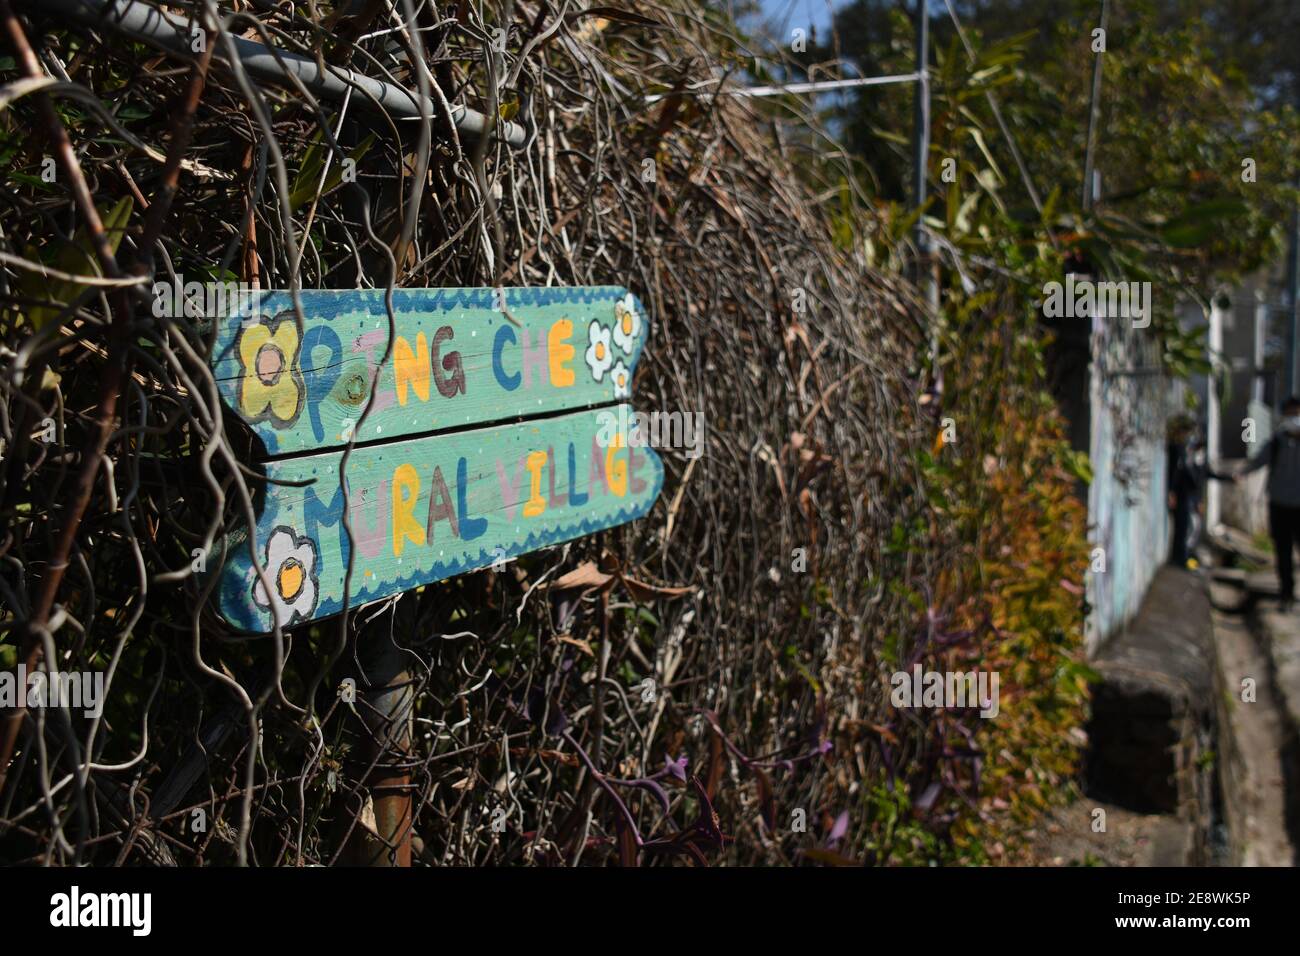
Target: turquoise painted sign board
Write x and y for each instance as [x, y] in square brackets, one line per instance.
[485, 439]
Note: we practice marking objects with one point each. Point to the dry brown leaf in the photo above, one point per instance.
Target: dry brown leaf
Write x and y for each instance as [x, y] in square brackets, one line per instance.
[585, 575]
[646, 592]
[578, 643]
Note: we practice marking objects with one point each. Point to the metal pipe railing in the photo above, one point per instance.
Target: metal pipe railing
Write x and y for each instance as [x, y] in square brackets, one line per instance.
[171, 34]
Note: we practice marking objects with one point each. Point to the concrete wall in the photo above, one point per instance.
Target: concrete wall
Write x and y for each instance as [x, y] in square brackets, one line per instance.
[1242, 374]
[1245, 505]
[1127, 513]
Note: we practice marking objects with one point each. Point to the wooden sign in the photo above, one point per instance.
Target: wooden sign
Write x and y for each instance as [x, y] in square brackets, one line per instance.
[485, 439]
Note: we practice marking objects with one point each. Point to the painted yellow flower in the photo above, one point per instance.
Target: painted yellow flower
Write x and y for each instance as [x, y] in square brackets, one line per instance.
[291, 570]
[271, 387]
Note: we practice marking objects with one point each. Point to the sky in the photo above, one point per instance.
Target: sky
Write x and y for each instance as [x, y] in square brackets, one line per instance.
[801, 12]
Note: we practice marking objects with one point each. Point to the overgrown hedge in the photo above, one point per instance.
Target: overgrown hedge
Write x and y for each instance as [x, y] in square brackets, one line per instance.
[822, 542]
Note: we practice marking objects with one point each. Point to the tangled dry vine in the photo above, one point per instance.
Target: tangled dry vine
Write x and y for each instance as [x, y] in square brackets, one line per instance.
[500, 714]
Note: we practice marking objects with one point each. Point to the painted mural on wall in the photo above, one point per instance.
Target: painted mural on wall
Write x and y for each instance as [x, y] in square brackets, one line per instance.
[495, 426]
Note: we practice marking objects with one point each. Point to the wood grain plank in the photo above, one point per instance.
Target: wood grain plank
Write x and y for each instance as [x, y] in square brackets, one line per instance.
[301, 381]
[428, 508]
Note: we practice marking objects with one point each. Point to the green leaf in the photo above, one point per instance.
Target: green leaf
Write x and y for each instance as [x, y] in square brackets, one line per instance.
[1077, 668]
[309, 173]
[1200, 223]
[76, 257]
[1077, 464]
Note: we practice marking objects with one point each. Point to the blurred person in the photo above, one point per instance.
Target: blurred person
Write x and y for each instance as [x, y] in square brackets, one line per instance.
[1189, 469]
[1281, 455]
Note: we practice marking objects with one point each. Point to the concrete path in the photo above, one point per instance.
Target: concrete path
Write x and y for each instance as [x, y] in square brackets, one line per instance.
[1280, 635]
[1251, 743]
[1257, 691]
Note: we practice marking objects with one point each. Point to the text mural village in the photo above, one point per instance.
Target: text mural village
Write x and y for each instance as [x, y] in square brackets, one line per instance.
[486, 437]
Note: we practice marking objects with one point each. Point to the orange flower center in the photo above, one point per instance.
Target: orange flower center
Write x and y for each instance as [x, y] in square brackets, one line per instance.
[290, 579]
[600, 351]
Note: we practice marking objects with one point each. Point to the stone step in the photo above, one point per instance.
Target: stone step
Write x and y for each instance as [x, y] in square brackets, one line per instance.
[1262, 583]
[1237, 544]
[1233, 576]
[1146, 748]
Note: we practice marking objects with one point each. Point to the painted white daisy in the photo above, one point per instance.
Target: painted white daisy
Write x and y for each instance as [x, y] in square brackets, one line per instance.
[627, 324]
[599, 355]
[291, 569]
[622, 380]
